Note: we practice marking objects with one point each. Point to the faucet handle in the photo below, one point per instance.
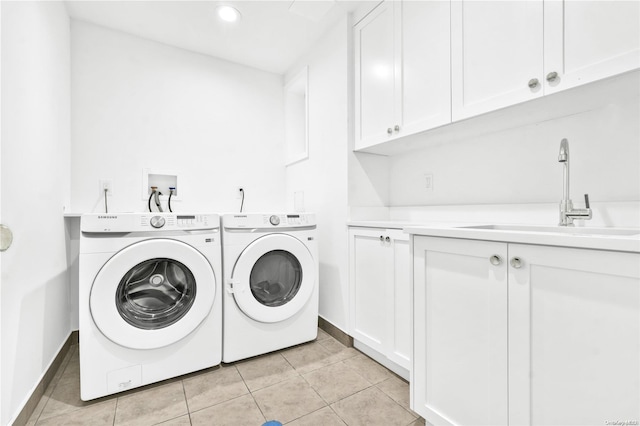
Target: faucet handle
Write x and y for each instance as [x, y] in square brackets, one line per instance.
[586, 201]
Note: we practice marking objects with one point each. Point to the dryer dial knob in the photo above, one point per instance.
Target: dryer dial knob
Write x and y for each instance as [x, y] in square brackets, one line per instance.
[275, 220]
[157, 221]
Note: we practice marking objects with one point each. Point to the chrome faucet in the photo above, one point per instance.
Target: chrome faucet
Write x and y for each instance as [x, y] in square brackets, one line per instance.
[567, 212]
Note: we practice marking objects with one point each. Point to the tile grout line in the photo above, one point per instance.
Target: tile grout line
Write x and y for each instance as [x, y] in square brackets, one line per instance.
[186, 401]
[251, 393]
[328, 405]
[228, 400]
[397, 403]
[115, 411]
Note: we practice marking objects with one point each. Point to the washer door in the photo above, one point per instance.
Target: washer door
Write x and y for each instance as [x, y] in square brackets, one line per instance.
[273, 278]
[152, 294]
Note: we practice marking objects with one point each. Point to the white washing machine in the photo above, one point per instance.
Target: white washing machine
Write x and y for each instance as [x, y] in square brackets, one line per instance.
[150, 298]
[270, 299]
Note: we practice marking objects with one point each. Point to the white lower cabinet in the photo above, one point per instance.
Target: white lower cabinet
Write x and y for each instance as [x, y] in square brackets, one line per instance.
[380, 292]
[525, 335]
[460, 307]
[574, 336]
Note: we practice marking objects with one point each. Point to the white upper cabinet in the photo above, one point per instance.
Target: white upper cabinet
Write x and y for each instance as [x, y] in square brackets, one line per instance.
[507, 52]
[424, 64]
[402, 70]
[424, 78]
[374, 75]
[496, 54]
[589, 40]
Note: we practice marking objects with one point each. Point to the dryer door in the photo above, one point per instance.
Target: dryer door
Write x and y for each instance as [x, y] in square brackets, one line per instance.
[152, 294]
[273, 278]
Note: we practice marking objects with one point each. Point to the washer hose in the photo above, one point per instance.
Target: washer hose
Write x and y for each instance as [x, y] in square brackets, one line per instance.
[157, 200]
[171, 189]
[153, 191]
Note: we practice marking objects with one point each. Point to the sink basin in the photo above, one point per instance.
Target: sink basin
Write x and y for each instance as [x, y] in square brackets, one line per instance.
[558, 230]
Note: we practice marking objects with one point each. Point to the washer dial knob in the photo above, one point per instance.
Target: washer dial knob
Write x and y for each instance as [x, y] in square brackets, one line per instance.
[157, 221]
[275, 220]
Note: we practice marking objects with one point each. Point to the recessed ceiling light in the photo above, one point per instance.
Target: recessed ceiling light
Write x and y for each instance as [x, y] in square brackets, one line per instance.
[228, 13]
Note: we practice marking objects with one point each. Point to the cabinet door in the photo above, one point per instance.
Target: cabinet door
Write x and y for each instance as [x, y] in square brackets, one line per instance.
[460, 313]
[400, 324]
[374, 68]
[574, 336]
[496, 51]
[589, 40]
[423, 79]
[370, 269]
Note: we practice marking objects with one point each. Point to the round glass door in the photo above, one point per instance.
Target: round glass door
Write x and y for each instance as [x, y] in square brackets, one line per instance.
[274, 278]
[144, 299]
[156, 293]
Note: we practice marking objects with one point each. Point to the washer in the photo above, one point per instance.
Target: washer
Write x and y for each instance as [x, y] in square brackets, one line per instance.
[270, 266]
[150, 299]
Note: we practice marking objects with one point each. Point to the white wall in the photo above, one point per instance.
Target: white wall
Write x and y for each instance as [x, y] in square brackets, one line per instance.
[323, 176]
[35, 189]
[520, 165]
[140, 104]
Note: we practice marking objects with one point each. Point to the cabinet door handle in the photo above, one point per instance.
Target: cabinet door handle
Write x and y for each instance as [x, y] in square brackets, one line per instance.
[387, 239]
[552, 76]
[397, 128]
[495, 260]
[533, 83]
[381, 238]
[516, 262]
[389, 130]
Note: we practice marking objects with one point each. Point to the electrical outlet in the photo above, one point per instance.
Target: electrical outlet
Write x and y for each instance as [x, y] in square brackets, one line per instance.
[239, 191]
[105, 184]
[428, 181]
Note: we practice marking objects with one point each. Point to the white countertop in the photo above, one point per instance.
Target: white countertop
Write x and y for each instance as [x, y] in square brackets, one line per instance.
[387, 224]
[584, 239]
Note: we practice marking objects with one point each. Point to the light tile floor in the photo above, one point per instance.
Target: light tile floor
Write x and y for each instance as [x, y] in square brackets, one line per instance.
[321, 383]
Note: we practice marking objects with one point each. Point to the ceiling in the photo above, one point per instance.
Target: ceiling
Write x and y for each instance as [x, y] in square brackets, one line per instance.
[271, 35]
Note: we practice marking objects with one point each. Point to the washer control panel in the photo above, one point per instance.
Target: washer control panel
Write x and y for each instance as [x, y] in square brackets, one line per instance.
[177, 221]
[157, 221]
[135, 222]
[274, 220]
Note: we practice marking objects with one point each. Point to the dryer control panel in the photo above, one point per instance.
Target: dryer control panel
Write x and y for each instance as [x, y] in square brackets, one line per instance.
[268, 220]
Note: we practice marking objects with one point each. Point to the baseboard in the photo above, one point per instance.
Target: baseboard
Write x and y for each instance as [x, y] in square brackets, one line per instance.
[47, 377]
[383, 360]
[335, 332]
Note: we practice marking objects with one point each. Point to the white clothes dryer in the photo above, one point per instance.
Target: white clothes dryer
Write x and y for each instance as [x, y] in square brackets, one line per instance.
[270, 266]
[150, 298]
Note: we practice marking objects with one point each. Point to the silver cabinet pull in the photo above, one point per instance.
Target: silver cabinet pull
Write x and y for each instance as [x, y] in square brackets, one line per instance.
[533, 83]
[495, 260]
[397, 128]
[6, 238]
[387, 239]
[389, 130]
[516, 262]
[552, 76]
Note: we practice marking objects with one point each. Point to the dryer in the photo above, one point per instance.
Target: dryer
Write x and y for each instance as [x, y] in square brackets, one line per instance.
[270, 267]
[150, 298]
